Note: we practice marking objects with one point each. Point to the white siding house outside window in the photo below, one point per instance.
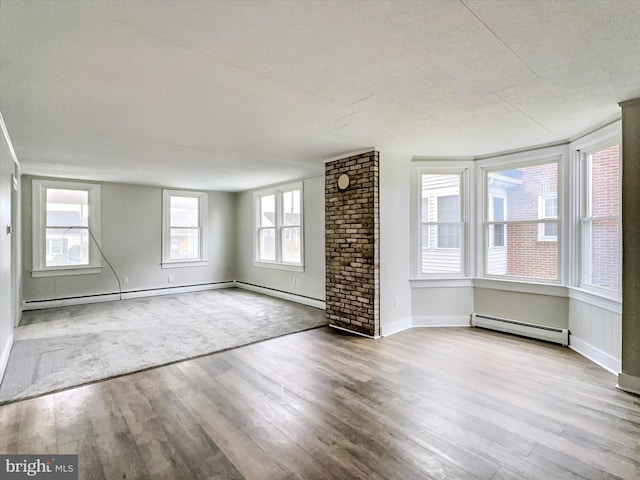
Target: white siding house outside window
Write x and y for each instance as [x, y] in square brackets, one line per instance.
[442, 223]
[279, 227]
[66, 226]
[184, 227]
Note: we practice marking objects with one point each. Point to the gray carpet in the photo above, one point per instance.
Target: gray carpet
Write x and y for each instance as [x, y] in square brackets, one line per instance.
[58, 348]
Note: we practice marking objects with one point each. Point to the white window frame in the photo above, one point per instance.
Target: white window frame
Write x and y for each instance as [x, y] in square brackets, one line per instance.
[542, 208]
[513, 161]
[580, 148]
[587, 218]
[278, 263]
[464, 170]
[39, 214]
[203, 209]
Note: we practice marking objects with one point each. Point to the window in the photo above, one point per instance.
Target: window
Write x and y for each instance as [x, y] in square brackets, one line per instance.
[600, 218]
[441, 229]
[521, 217]
[184, 221]
[65, 228]
[548, 209]
[278, 226]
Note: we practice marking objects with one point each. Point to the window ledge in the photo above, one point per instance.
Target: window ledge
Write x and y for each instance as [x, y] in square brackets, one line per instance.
[59, 272]
[453, 282]
[195, 263]
[280, 266]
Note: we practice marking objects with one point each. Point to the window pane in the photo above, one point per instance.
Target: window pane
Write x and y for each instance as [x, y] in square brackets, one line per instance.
[550, 207]
[602, 249]
[439, 260]
[524, 255]
[440, 243]
[67, 208]
[449, 208]
[425, 235]
[66, 246]
[448, 236]
[523, 188]
[605, 178]
[498, 235]
[184, 244]
[424, 209]
[268, 211]
[498, 209]
[267, 247]
[291, 207]
[291, 244]
[550, 231]
[183, 212]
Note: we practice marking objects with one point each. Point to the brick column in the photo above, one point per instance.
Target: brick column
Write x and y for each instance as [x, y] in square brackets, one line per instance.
[352, 242]
[629, 378]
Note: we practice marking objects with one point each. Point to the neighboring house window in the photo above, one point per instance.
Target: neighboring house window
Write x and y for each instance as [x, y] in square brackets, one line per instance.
[548, 209]
[449, 221]
[279, 226]
[521, 215]
[184, 227]
[600, 218]
[66, 227]
[496, 231]
[442, 223]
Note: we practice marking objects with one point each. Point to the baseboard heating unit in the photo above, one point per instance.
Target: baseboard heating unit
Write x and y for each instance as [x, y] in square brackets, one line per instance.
[524, 329]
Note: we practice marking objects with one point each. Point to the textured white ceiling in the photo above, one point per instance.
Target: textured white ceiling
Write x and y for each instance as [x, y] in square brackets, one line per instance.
[230, 95]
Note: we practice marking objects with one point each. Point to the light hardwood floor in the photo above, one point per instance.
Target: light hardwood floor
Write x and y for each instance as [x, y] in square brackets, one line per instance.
[426, 403]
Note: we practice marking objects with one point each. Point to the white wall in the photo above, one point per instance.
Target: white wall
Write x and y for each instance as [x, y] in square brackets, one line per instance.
[596, 329]
[447, 305]
[9, 248]
[395, 295]
[131, 224]
[541, 309]
[309, 283]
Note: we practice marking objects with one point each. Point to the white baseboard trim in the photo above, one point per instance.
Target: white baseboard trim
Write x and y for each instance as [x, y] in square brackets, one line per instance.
[424, 322]
[154, 292]
[4, 359]
[594, 354]
[342, 329]
[443, 321]
[311, 302]
[174, 290]
[629, 383]
[396, 326]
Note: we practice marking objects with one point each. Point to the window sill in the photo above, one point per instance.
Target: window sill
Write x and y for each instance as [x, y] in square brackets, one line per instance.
[59, 272]
[195, 263]
[441, 282]
[279, 266]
